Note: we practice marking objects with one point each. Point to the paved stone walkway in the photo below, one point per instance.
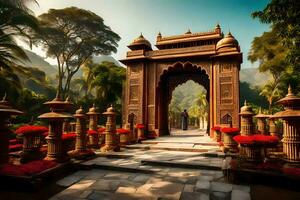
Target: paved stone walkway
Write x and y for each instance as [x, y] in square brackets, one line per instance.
[151, 174]
[170, 183]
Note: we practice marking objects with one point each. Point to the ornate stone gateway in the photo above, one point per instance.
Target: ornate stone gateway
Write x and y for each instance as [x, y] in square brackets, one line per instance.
[209, 59]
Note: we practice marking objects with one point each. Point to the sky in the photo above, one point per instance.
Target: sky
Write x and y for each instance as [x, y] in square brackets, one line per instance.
[129, 18]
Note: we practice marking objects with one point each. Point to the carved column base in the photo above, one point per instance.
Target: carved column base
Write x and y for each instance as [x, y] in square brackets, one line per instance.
[94, 141]
[217, 136]
[124, 139]
[229, 143]
[251, 152]
[140, 134]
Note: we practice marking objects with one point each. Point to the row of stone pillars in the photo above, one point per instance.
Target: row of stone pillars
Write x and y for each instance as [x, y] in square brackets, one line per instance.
[291, 125]
[58, 115]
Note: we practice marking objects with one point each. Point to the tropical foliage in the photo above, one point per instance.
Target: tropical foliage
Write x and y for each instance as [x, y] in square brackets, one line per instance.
[72, 36]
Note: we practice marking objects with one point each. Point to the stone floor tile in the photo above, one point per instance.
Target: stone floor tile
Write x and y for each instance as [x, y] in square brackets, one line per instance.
[85, 194]
[221, 187]
[202, 186]
[76, 189]
[100, 195]
[244, 188]
[240, 195]
[105, 185]
[117, 175]
[126, 190]
[194, 196]
[69, 180]
[188, 188]
[141, 178]
[144, 188]
[219, 196]
[206, 178]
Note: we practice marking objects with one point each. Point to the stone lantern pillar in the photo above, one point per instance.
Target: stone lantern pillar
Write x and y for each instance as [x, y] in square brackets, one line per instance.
[272, 126]
[56, 118]
[110, 132]
[291, 126]
[5, 112]
[80, 131]
[246, 115]
[261, 122]
[93, 125]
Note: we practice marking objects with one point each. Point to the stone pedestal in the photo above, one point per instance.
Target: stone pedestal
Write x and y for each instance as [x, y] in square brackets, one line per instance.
[56, 118]
[246, 114]
[291, 127]
[5, 112]
[272, 127]
[31, 148]
[110, 132]
[251, 152]
[93, 125]
[229, 143]
[261, 122]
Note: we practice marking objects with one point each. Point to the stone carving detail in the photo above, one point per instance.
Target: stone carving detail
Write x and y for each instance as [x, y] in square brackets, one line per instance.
[226, 67]
[226, 91]
[134, 94]
[135, 70]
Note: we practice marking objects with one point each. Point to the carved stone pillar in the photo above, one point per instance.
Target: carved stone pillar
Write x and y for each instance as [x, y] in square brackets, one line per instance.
[272, 127]
[80, 145]
[5, 112]
[56, 118]
[291, 127]
[110, 132]
[93, 125]
[246, 114]
[261, 122]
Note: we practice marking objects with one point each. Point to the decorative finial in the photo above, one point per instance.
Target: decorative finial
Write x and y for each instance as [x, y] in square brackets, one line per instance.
[188, 32]
[245, 102]
[4, 97]
[159, 34]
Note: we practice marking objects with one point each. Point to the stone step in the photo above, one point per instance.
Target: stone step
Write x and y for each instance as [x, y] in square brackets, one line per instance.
[180, 142]
[181, 164]
[186, 147]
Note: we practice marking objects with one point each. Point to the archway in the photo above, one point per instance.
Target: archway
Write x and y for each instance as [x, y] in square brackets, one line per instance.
[170, 78]
[189, 96]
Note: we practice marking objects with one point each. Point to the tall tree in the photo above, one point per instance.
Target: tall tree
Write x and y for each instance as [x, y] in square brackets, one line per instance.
[72, 36]
[284, 16]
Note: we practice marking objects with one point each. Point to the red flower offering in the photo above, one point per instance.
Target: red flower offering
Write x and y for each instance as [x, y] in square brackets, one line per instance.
[265, 139]
[216, 128]
[31, 130]
[230, 130]
[140, 126]
[244, 139]
[92, 132]
[123, 131]
[27, 169]
[69, 136]
[101, 130]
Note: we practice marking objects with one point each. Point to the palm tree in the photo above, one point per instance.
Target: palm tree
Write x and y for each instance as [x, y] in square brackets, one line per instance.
[271, 92]
[203, 108]
[15, 20]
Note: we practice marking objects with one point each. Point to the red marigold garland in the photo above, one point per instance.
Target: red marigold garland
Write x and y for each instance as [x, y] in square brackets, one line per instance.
[140, 126]
[123, 131]
[92, 132]
[216, 128]
[230, 130]
[69, 136]
[101, 130]
[27, 169]
[33, 130]
[256, 139]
